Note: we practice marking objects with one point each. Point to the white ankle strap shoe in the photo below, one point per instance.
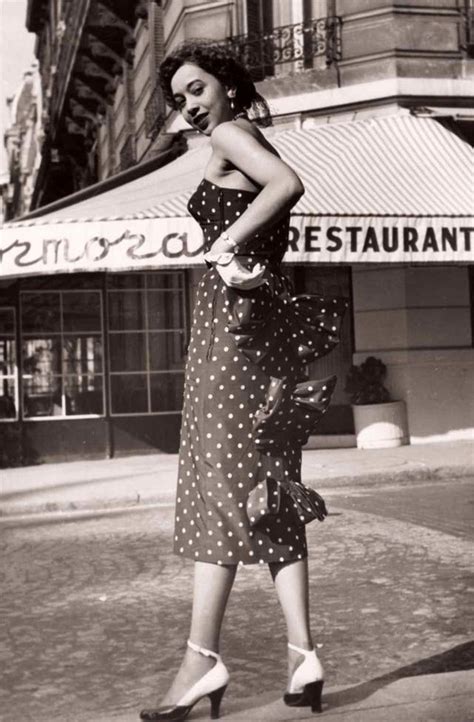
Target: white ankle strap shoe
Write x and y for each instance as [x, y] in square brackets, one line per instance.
[213, 685]
[216, 678]
[310, 670]
[306, 684]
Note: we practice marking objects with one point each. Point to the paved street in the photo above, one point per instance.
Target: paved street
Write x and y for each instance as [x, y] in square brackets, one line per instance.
[96, 611]
[435, 506]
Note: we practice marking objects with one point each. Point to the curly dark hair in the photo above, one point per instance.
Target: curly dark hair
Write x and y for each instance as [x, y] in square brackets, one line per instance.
[219, 60]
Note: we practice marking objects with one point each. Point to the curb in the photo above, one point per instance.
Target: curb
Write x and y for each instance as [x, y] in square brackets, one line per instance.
[37, 518]
[401, 476]
[71, 510]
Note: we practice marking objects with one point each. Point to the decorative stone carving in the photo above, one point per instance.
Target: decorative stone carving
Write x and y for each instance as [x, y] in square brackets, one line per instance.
[112, 29]
[80, 113]
[88, 96]
[93, 48]
[102, 81]
[141, 10]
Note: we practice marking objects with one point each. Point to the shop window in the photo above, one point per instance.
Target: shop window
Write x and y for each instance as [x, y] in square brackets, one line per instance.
[146, 334]
[8, 366]
[61, 347]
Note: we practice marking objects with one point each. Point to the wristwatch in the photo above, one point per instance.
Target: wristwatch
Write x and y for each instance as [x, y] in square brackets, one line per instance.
[222, 258]
[224, 236]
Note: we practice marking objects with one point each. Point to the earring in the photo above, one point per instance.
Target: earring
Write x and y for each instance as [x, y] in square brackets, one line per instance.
[231, 96]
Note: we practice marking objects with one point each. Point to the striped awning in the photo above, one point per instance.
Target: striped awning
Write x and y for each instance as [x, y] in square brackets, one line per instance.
[395, 188]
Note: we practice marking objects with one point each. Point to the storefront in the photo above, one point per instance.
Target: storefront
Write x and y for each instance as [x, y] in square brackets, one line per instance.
[95, 297]
[100, 354]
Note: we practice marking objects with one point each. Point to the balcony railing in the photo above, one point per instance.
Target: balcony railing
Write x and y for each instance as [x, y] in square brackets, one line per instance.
[296, 45]
[128, 154]
[154, 113]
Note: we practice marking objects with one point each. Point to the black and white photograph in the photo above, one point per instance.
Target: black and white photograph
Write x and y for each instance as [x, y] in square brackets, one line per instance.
[237, 360]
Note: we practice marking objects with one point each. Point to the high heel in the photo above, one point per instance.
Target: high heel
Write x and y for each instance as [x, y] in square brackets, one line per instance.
[216, 699]
[307, 682]
[213, 685]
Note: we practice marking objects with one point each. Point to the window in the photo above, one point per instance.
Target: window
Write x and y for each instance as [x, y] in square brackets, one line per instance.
[146, 337]
[331, 280]
[8, 366]
[259, 50]
[61, 348]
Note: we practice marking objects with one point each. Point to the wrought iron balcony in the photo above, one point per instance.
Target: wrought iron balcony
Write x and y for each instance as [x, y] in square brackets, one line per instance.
[296, 45]
[128, 155]
[154, 113]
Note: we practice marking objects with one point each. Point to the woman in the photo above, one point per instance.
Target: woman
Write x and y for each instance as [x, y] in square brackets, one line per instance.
[243, 206]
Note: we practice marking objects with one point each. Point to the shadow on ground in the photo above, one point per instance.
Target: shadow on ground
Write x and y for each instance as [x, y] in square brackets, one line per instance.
[459, 658]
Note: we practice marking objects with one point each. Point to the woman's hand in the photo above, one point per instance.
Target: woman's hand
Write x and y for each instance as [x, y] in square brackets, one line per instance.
[234, 274]
[223, 244]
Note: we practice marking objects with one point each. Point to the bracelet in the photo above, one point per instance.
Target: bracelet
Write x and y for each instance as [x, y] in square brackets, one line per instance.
[222, 259]
[224, 236]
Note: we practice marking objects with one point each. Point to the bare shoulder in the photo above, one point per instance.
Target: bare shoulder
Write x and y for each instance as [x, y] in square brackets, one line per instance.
[239, 132]
[231, 130]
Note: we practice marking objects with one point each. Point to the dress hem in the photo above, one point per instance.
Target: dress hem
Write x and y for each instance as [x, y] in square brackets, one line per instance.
[241, 562]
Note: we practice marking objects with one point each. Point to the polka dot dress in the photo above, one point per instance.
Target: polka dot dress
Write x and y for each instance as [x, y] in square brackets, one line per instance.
[219, 463]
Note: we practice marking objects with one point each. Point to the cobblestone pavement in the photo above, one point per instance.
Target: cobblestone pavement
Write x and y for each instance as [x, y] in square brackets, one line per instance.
[96, 612]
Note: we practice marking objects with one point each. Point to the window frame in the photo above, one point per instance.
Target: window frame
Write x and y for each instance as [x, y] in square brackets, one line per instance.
[16, 375]
[61, 334]
[148, 372]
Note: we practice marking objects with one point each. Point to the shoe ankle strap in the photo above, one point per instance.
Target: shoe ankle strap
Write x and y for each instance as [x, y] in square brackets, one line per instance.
[305, 652]
[202, 650]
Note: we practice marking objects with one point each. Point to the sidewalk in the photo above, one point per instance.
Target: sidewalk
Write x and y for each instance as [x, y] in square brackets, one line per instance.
[134, 482]
[427, 698]
[447, 697]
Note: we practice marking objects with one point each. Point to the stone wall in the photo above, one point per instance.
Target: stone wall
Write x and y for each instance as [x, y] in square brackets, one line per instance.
[418, 321]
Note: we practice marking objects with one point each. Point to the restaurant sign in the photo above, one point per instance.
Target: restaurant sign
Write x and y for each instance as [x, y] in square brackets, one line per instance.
[155, 243]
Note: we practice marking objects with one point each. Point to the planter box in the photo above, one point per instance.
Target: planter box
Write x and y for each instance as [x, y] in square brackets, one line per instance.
[380, 426]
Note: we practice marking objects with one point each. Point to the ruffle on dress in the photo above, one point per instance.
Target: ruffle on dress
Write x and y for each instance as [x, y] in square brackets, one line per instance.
[291, 411]
[266, 499]
[282, 333]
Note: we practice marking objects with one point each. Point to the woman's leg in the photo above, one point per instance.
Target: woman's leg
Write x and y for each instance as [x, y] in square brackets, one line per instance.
[291, 583]
[212, 585]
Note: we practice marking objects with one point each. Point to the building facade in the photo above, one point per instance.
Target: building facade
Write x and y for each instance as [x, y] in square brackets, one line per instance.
[23, 141]
[92, 363]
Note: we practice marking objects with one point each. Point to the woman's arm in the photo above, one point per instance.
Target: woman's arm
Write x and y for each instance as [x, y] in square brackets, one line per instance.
[281, 187]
